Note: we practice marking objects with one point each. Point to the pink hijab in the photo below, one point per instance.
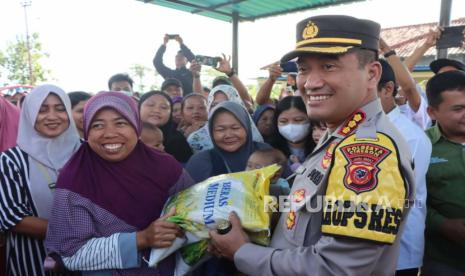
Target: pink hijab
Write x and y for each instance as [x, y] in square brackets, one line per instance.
[9, 119]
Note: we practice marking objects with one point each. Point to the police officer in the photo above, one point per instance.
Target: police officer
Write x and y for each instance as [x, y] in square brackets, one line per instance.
[349, 201]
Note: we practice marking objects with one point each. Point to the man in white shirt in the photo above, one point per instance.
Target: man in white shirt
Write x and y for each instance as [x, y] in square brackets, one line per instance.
[409, 98]
[412, 239]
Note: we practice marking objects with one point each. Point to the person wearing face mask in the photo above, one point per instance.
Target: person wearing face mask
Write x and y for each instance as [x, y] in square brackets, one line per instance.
[293, 132]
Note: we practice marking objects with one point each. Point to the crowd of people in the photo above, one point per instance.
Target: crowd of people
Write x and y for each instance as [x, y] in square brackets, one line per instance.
[84, 176]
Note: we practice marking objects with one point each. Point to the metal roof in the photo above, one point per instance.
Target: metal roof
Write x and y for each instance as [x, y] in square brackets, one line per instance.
[246, 10]
[405, 39]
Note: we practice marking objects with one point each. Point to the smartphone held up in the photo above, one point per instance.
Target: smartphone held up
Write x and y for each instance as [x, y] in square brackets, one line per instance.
[208, 60]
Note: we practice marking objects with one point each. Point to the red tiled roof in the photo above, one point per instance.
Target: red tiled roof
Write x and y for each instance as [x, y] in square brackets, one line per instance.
[405, 39]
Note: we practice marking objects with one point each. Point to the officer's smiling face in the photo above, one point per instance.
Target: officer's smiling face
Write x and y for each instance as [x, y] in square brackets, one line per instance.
[333, 87]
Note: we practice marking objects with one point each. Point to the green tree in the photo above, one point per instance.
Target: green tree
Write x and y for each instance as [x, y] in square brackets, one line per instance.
[15, 61]
[142, 72]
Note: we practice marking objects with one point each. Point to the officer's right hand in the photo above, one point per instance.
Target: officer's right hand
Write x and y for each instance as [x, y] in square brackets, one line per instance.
[166, 38]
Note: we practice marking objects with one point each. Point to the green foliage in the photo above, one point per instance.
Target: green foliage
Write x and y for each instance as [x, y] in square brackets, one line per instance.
[15, 61]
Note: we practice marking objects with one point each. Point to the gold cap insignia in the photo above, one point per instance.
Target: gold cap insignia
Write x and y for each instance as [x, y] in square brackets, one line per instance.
[310, 31]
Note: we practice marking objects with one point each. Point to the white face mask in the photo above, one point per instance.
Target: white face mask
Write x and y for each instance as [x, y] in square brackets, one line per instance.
[127, 93]
[294, 132]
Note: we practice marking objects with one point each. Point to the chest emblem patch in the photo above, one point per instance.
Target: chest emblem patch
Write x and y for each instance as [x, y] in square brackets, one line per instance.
[362, 169]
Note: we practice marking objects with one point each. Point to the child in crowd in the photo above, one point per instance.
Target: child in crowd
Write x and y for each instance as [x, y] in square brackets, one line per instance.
[318, 130]
[152, 136]
[266, 157]
[278, 186]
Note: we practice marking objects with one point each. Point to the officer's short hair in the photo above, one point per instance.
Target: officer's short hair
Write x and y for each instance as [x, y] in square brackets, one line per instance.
[364, 56]
[440, 83]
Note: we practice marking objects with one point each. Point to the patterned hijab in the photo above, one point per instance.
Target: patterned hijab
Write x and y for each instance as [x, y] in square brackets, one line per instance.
[133, 189]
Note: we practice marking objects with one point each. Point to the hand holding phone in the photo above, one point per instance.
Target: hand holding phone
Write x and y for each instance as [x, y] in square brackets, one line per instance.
[451, 37]
[207, 60]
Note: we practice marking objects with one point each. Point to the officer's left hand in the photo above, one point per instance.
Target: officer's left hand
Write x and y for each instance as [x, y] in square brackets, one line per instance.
[226, 245]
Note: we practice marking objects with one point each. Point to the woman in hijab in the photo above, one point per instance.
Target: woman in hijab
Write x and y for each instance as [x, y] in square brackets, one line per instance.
[47, 137]
[229, 125]
[9, 119]
[111, 194]
[231, 131]
[263, 119]
[157, 108]
[200, 139]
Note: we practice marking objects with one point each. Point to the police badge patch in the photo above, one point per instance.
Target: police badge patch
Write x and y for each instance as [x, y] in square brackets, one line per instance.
[362, 165]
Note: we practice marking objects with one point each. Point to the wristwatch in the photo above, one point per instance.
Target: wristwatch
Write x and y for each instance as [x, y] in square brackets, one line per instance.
[389, 53]
[232, 73]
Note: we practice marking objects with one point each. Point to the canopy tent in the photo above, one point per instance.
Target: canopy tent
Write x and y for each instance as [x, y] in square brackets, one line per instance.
[236, 11]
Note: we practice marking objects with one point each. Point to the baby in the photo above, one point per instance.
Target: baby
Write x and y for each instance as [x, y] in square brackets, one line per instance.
[152, 136]
[266, 157]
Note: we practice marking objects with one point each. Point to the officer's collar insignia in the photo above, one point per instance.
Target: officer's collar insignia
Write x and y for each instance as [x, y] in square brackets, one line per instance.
[298, 195]
[362, 165]
[326, 160]
[352, 123]
[310, 31]
[290, 221]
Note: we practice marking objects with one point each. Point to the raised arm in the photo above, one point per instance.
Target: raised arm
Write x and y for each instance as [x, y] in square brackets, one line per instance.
[158, 60]
[403, 77]
[196, 68]
[225, 67]
[263, 94]
[418, 53]
[184, 49]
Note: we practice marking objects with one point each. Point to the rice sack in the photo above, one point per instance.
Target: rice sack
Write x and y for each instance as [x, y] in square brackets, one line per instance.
[204, 205]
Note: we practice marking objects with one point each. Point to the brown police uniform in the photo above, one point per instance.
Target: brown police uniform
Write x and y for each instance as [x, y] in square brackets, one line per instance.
[349, 199]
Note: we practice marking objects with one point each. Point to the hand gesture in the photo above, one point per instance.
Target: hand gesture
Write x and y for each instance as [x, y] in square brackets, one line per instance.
[188, 129]
[166, 38]
[195, 68]
[432, 37]
[275, 71]
[227, 245]
[224, 64]
[178, 39]
[383, 46]
[160, 233]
